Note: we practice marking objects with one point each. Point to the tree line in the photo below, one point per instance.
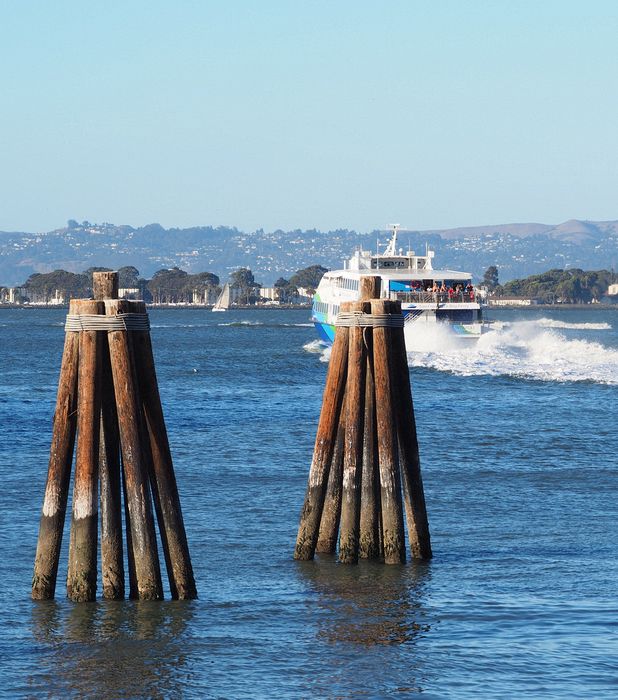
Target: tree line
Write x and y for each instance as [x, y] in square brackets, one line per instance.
[572, 286]
[168, 285]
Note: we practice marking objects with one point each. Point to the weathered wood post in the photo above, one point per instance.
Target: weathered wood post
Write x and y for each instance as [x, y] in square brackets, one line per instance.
[59, 472]
[353, 441]
[369, 537]
[376, 445]
[311, 514]
[82, 575]
[107, 394]
[331, 512]
[163, 478]
[409, 460]
[105, 286]
[393, 538]
[141, 520]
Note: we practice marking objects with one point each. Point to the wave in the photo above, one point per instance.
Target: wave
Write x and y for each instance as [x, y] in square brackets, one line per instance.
[517, 349]
[244, 324]
[318, 347]
[553, 323]
[521, 349]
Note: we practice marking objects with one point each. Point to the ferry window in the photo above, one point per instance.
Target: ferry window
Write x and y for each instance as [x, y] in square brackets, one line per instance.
[321, 307]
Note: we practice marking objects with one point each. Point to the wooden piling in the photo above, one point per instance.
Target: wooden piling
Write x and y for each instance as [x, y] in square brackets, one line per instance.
[353, 441]
[109, 398]
[369, 525]
[105, 286]
[414, 497]
[393, 538]
[143, 540]
[163, 481]
[133, 589]
[331, 512]
[59, 472]
[370, 287]
[380, 449]
[369, 537]
[324, 443]
[82, 568]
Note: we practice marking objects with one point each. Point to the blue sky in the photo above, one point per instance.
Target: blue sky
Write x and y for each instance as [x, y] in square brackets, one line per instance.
[308, 114]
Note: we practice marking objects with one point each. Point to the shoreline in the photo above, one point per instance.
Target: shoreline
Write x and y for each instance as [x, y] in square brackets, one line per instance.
[300, 307]
[183, 307]
[531, 307]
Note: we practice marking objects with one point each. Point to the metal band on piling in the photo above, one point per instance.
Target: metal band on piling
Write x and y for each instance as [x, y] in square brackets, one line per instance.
[350, 319]
[121, 322]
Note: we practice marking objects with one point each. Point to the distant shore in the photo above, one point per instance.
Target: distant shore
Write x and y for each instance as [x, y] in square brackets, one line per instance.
[532, 307]
[183, 307]
[288, 307]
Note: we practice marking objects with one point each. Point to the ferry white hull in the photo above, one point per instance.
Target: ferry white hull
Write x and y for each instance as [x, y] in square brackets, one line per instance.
[470, 332]
[428, 297]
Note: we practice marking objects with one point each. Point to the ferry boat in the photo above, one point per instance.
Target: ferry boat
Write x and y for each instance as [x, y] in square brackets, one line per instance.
[427, 296]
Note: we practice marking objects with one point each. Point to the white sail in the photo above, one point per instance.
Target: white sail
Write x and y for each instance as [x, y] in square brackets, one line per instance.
[223, 302]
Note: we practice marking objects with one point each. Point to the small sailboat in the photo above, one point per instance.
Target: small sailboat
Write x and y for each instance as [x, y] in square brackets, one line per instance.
[224, 299]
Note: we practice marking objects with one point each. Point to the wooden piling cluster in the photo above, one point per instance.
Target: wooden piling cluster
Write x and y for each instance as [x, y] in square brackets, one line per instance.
[366, 465]
[108, 408]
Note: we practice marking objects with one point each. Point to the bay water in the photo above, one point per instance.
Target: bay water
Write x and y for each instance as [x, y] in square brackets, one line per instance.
[519, 443]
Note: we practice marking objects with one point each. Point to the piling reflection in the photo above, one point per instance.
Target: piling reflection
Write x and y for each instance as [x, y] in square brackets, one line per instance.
[369, 604]
[112, 649]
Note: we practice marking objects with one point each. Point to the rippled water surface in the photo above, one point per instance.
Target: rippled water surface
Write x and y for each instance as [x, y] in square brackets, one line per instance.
[518, 438]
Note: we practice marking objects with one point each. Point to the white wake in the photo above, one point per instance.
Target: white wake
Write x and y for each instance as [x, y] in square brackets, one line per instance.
[554, 323]
[523, 349]
[520, 349]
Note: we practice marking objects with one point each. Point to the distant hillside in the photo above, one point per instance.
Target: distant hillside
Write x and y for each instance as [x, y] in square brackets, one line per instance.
[517, 230]
[518, 250]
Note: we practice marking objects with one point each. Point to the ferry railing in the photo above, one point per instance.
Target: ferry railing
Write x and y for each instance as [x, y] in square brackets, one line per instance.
[421, 297]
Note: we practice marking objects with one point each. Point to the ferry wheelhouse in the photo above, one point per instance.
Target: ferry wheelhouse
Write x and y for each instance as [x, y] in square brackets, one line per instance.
[427, 296]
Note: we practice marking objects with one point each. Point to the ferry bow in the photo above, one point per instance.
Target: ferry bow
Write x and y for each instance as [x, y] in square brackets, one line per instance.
[427, 296]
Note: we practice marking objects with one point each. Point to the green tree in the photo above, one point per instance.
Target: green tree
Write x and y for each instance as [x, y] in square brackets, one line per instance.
[204, 283]
[490, 278]
[168, 286]
[286, 291]
[244, 281]
[308, 277]
[41, 287]
[571, 286]
[128, 277]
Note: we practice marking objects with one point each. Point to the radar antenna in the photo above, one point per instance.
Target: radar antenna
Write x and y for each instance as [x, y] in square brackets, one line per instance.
[391, 248]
